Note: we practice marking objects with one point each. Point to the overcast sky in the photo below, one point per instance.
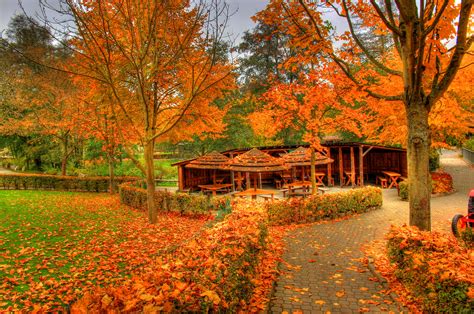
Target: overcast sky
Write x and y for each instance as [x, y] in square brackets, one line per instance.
[238, 23]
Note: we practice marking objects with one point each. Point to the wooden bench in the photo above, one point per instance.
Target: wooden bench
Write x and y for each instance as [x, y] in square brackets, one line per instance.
[284, 191]
[322, 190]
[266, 197]
[383, 181]
[302, 193]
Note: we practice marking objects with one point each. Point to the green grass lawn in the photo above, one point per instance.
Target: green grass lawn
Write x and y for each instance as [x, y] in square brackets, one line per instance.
[54, 246]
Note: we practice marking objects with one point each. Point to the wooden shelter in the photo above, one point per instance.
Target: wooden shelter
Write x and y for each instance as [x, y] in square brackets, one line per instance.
[364, 161]
[301, 158]
[213, 161]
[256, 161]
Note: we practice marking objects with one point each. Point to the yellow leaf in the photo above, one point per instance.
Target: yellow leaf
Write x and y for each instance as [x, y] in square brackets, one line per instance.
[214, 297]
[320, 302]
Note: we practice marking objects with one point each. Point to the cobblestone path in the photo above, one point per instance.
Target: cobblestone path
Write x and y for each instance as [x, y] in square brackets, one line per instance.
[322, 271]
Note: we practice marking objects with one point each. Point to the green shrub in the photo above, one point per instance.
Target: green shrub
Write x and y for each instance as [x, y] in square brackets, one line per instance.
[434, 160]
[469, 144]
[30, 181]
[327, 206]
[403, 188]
[134, 195]
[467, 236]
[434, 268]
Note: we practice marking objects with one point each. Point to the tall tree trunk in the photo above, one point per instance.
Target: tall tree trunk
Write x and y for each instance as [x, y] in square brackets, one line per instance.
[65, 156]
[419, 142]
[110, 159]
[150, 181]
[313, 171]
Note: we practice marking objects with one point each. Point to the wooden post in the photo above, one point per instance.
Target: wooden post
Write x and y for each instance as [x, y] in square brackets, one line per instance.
[341, 168]
[329, 169]
[232, 176]
[352, 167]
[232, 179]
[180, 178]
[259, 180]
[247, 181]
[361, 165]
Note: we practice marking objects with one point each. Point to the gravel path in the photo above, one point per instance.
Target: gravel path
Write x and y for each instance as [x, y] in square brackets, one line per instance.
[322, 271]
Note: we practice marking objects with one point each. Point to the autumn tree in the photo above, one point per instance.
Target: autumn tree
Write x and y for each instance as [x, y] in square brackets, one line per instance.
[429, 38]
[42, 101]
[159, 60]
[311, 105]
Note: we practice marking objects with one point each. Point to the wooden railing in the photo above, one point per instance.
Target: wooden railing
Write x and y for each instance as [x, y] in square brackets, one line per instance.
[468, 155]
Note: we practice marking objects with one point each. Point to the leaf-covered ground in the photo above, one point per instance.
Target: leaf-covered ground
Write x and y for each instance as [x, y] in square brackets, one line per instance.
[54, 246]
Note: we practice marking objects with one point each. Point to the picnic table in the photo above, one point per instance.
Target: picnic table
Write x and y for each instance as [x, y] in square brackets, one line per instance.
[393, 178]
[254, 193]
[292, 187]
[350, 179]
[214, 187]
[319, 177]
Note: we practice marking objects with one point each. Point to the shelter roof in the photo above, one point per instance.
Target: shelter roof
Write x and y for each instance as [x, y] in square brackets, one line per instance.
[256, 161]
[302, 157]
[213, 160]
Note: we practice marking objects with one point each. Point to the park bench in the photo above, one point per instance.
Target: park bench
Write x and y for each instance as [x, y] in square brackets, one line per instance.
[382, 181]
[322, 190]
[284, 191]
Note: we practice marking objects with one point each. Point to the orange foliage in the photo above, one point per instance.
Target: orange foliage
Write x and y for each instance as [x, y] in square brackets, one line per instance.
[348, 76]
[428, 270]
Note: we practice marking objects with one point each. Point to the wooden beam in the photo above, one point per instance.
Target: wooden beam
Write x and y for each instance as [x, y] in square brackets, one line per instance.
[368, 150]
[341, 168]
[330, 183]
[232, 179]
[232, 176]
[361, 165]
[352, 167]
[180, 178]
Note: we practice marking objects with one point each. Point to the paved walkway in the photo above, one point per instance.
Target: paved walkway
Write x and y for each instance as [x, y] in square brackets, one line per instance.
[5, 171]
[323, 272]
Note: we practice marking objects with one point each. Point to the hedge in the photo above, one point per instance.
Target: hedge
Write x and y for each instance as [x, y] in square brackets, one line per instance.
[441, 182]
[213, 272]
[326, 206]
[133, 195]
[434, 268]
[30, 181]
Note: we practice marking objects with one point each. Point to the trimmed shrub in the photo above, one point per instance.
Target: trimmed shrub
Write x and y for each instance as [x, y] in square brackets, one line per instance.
[30, 181]
[434, 268]
[441, 182]
[134, 195]
[214, 272]
[434, 160]
[326, 206]
[467, 236]
[403, 190]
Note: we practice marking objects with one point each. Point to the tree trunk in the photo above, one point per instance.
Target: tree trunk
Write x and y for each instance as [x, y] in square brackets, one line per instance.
[419, 142]
[313, 171]
[65, 157]
[111, 174]
[150, 181]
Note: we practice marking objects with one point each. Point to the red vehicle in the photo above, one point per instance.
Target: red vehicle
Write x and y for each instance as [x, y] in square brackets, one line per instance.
[461, 222]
